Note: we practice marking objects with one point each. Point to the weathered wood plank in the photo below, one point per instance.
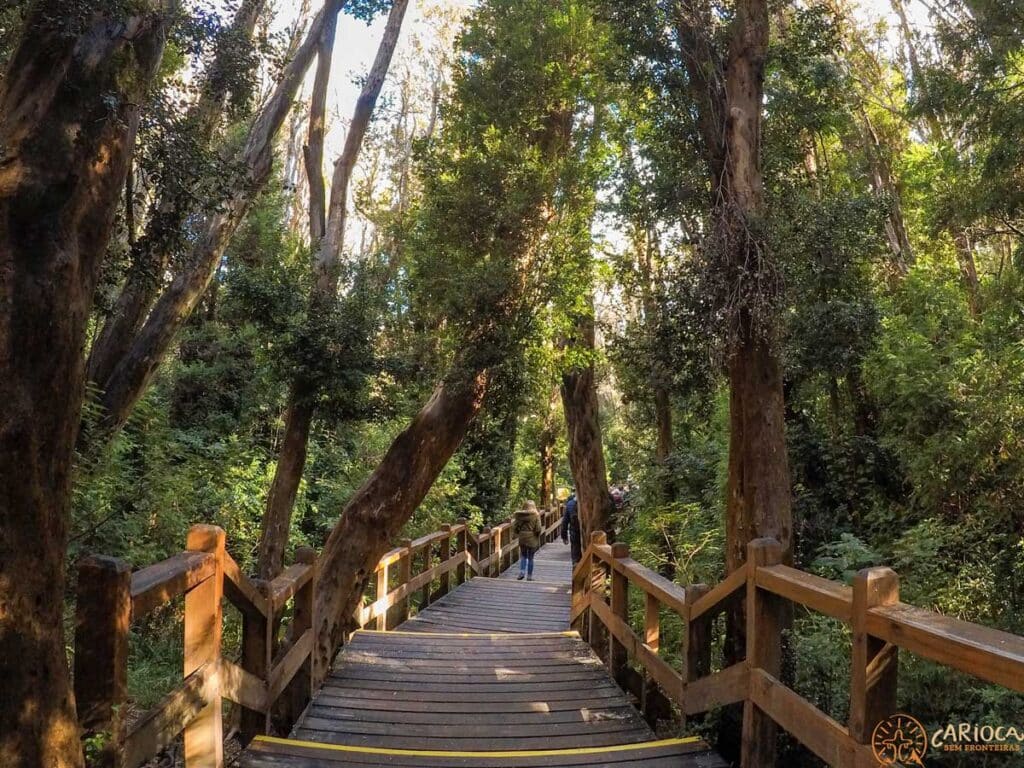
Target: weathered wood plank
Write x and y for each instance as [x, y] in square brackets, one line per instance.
[204, 746]
[719, 593]
[873, 661]
[806, 723]
[175, 712]
[764, 651]
[241, 591]
[242, 687]
[162, 582]
[670, 682]
[103, 611]
[285, 669]
[990, 654]
[294, 578]
[818, 594]
[726, 687]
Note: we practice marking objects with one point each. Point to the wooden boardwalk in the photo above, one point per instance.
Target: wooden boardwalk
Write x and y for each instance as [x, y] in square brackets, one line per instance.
[488, 676]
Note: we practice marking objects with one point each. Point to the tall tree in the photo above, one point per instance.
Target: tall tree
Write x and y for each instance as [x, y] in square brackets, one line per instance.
[227, 78]
[489, 184]
[583, 423]
[759, 497]
[577, 209]
[131, 376]
[68, 117]
[327, 236]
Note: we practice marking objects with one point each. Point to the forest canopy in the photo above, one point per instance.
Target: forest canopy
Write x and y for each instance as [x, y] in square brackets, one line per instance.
[726, 268]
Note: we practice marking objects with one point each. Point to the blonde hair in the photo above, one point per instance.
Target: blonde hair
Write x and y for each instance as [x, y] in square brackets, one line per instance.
[530, 505]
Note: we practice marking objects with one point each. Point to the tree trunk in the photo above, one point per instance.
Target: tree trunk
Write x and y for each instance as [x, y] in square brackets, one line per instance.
[385, 502]
[150, 254]
[883, 183]
[68, 118]
[586, 451]
[758, 502]
[330, 236]
[758, 494]
[291, 460]
[968, 268]
[132, 375]
[547, 471]
[548, 436]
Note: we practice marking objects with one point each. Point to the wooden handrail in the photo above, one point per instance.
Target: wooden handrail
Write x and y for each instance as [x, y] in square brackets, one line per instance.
[270, 673]
[166, 580]
[881, 625]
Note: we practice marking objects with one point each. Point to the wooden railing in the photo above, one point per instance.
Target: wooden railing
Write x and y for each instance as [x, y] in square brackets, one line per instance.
[880, 624]
[271, 676]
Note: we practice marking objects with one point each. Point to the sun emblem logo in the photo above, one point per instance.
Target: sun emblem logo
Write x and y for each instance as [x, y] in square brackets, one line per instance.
[900, 740]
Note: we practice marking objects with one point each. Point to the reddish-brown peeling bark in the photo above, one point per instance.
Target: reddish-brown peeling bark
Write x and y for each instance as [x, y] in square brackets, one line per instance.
[586, 451]
[385, 502]
[68, 118]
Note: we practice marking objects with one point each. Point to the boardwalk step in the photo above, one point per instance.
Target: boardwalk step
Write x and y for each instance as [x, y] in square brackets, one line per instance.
[269, 752]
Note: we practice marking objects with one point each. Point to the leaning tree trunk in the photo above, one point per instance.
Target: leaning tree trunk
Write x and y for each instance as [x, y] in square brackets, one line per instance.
[586, 451]
[150, 254]
[385, 502]
[330, 236]
[132, 375]
[68, 118]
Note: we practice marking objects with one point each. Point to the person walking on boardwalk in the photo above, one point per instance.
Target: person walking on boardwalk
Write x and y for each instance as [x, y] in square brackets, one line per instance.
[528, 529]
[571, 527]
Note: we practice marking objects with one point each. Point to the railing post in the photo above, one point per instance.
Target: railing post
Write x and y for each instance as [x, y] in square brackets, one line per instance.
[580, 597]
[617, 657]
[257, 648]
[300, 689]
[204, 747]
[426, 561]
[485, 547]
[496, 563]
[404, 577]
[460, 547]
[764, 651]
[596, 590]
[874, 662]
[103, 614]
[652, 639]
[381, 621]
[446, 553]
[696, 639]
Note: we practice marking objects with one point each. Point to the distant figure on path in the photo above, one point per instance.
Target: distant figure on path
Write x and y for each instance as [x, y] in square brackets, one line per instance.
[528, 529]
[571, 527]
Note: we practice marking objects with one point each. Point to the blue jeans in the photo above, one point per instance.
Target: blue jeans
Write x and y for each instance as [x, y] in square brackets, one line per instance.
[526, 559]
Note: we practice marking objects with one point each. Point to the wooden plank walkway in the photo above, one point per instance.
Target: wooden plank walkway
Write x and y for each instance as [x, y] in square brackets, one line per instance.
[487, 677]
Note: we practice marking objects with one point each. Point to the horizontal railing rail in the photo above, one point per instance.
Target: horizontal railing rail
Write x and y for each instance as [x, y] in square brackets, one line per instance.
[272, 676]
[880, 623]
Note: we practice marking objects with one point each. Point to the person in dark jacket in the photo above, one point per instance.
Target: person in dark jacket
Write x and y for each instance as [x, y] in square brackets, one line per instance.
[527, 528]
[571, 527]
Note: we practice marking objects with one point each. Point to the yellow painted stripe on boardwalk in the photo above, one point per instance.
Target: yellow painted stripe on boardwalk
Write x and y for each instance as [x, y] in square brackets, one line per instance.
[442, 753]
[517, 635]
